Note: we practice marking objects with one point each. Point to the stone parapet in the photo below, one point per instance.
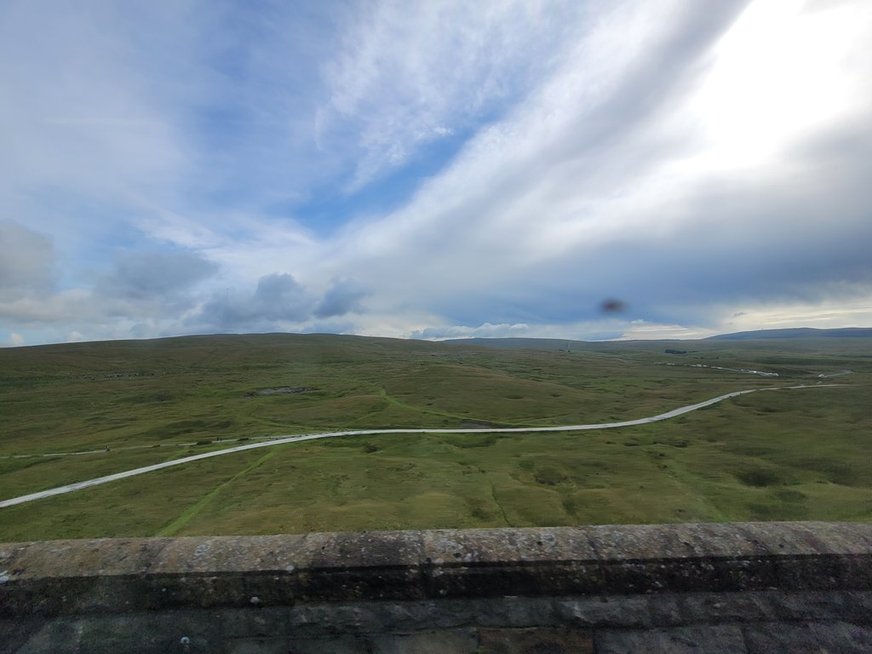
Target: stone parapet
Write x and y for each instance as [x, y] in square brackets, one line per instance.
[594, 584]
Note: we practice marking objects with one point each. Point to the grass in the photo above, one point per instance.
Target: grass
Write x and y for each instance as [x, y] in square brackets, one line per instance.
[765, 456]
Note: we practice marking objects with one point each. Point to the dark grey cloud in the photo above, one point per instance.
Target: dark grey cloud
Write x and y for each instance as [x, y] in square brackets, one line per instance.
[342, 297]
[277, 298]
[27, 259]
[154, 274]
[730, 241]
[635, 155]
[784, 227]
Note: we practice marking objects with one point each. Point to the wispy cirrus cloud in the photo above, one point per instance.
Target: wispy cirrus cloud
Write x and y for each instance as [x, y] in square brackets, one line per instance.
[408, 74]
[434, 169]
[627, 187]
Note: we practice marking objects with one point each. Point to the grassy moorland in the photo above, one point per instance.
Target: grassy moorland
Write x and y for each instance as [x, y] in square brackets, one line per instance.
[107, 407]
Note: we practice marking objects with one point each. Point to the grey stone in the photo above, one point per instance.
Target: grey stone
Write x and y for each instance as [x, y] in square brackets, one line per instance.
[716, 639]
[265, 622]
[655, 588]
[257, 646]
[665, 610]
[330, 645]
[14, 633]
[833, 538]
[807, 605]
[312, 621]
[426, 642]
[726, 607]
[817, 637]
[484, 546]
[346, 618]
[857, 606]
[463, 641]
[535, 641]
[515, 612]
[617, 611]
[363, 549]
[186, 632]
[146, 574]
[61, 635]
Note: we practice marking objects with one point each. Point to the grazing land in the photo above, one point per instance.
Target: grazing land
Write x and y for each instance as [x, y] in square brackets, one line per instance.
[74, 412]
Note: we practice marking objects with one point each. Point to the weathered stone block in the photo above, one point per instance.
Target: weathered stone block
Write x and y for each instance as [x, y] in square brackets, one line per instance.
[725, 607]
[261, 645]
[458, 641]
[534, 641]
[60, 635]
[668, 585]
[605, 611]
[716, 639]
[817, 637]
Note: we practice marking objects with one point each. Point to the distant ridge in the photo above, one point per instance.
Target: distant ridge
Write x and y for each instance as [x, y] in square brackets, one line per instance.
[760, 334]
[517, 343]
[799, 332]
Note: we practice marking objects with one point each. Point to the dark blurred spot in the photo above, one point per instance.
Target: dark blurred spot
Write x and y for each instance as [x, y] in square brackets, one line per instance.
[612, 305]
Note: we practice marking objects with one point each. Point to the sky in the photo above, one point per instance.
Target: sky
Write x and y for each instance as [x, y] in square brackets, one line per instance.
[591, 169]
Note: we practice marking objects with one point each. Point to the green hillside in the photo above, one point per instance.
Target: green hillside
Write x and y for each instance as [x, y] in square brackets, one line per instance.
[107, 407]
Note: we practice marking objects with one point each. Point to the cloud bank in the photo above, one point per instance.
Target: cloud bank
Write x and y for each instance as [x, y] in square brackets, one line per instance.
[436, 170]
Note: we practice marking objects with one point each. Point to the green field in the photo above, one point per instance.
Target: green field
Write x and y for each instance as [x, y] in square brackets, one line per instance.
[108, 407]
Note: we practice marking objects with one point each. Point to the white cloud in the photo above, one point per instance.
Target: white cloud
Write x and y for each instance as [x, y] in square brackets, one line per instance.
[407, 74]
[780, 74]
[583, 191]
[844, 311]
[84, 116]
[556, 175]
[27, 260]
[695, 160]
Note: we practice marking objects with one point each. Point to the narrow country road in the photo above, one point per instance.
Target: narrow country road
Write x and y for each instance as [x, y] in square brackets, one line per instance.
[282, 440]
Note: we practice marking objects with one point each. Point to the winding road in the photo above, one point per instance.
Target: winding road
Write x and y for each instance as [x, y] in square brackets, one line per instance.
[282, 440]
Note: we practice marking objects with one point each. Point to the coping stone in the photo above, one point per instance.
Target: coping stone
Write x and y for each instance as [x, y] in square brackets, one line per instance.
[130, 574]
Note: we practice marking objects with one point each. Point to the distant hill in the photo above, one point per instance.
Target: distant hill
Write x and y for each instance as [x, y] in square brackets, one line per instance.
[800, 332]
[557, 344]
[518, 343]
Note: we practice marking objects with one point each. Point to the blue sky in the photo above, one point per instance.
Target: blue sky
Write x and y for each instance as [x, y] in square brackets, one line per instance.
[435, 169]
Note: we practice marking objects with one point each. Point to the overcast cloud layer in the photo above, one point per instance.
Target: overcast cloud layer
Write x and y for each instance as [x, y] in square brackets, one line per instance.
[434, 169]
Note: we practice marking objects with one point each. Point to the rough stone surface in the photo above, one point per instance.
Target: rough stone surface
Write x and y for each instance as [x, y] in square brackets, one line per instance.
[716, 639]
[818, 637]
[535, 641]
[672, 588]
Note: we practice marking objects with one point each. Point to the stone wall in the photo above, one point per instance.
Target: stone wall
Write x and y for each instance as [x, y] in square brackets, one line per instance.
[754, 587]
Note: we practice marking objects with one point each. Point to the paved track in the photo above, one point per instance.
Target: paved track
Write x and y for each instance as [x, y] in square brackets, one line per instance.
[281, 440]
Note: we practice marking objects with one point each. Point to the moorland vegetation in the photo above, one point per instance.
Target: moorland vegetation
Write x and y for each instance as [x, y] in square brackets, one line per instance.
[77, 411]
